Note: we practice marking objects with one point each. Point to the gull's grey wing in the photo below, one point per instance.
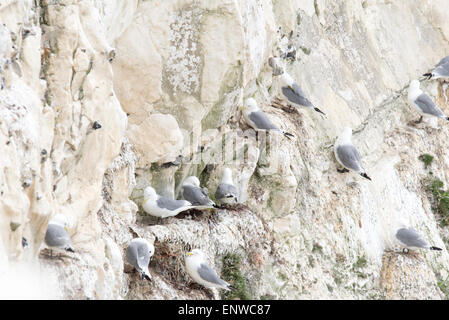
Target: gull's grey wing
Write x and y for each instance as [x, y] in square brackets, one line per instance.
[209, 274]
[428, 106]
[225, 190]
[260, 119]
[138, 255]
[56, 236]
[411, 238]
[196, 196]
[296, 95]
[443, 61]
[349, 157]
[170, 204]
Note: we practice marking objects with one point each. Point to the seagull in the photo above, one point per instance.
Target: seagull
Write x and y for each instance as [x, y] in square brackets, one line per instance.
[441, 70]
[163, 207]
[423, 103]
[194, 194]
[226, 192]
[411, 239]
[56, 236]
[139, 253]
[294, 94]
[257, 119]
[347, 155]
[202, 273]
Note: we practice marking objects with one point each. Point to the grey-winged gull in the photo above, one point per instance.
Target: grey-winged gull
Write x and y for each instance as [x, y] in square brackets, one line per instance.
[441, 70]
[226, 192]
[202, 273]
[423, 103]
[138, 254]
[293, 93]
[347, 155]
[257, 119]
[160, 206]
[411, 239]
[56, 236]
[193, 193]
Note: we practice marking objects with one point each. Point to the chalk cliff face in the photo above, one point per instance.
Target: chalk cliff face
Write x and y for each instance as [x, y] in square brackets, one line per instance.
[165, 81]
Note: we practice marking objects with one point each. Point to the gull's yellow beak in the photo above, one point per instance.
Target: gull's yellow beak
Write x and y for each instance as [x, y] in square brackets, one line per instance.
[189, 253]
[291, 87]
[66, 228]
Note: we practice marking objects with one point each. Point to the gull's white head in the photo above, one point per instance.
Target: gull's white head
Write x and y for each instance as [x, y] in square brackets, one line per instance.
[192, 181]
[227, 176]
[60, 219]
[414, 85]
[149, 244]
[345, 136]
[195, 253]
[149, 193]
[250, 105]
[286, 80]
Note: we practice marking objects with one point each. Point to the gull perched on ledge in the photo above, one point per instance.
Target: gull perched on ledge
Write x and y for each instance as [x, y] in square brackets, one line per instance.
[423, 103]
[347, 155]
[193, 193]
[202, 273]
[138, 254]
[258, 120]
[409, 238]
[162, 207]
[291, 90]
[56, 236]
[226, 192]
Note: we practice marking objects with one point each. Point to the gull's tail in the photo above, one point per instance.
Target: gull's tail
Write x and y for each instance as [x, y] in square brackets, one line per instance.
[318, 110]
[435, 248]
[231, 288]
[70, 249]
[287, 134]
[365, 176]
[428, 75]
[146, 276]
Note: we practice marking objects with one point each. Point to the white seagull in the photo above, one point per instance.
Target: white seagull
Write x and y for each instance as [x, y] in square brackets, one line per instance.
[56, 236]
[226, 192]
[294, 94]
[163, 207]
[423, 103]
[347, 155]
[202, 273]
[193, 193]
[138, 254]
[257, 119]
[409, 238]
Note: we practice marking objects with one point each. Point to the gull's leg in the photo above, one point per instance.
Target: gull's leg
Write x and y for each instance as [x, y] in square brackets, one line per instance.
[419, 120]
